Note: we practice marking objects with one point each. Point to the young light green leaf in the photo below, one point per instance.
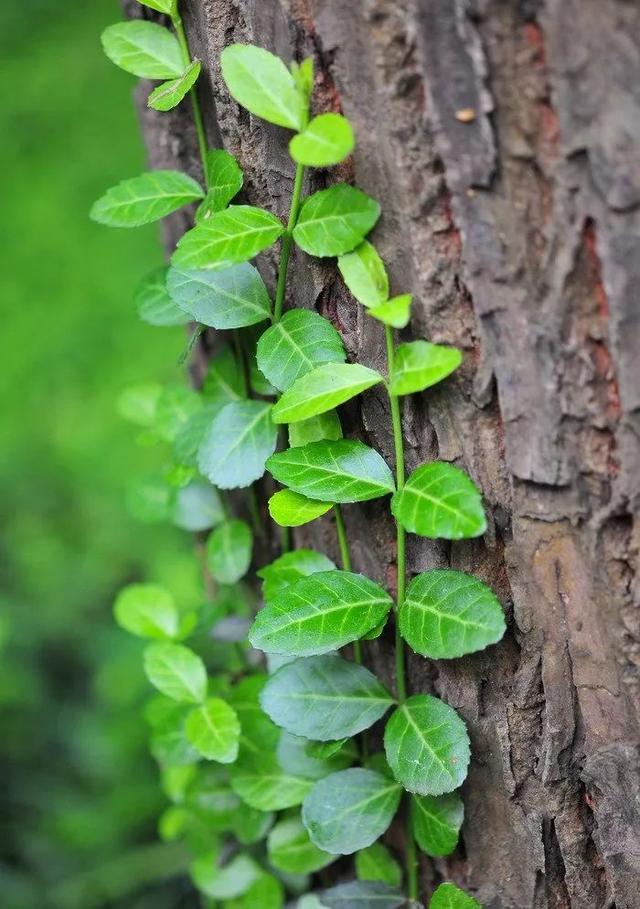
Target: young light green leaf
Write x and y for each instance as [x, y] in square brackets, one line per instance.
[267, 893]
[138, 403]
[259, 81]
[427, 746]
[144, 49]
[364, 274]
[162, 6]
[290, 849]
[229, 551]
[176, 405]
[147, 198]
[419, 365]
[293, 756]
[340, 471]
[440, 501]
[197, 507]
[301, 341]
[289, 568]
[334, 221]
[214, 731]
[224, 181]
[303, 76]
[436, 822]
[147, 610]
[324, 698]
[239, 441]
[223, 382]
[267, 787]
[227, 882]
[170, 94]
[190, 435]
[153, 303]
[169, 744]
[327, 140]
[236, 234]
[176, 671]
[448, 896]
[395, 312]
[315, 429]
[375, 863]
[322, 389]
[448, 614]
[290, 509]
[258, 733]
[319, 614]
[231, 297]
[149, 499]
[363, 895]
[349, 810]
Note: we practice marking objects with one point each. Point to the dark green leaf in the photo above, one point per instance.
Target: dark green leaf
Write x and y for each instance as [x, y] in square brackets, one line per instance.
[320, 613]
[241, 438]
[223, 382]
[324, 750]
[294, 758]
[147, 610]
[448, 896]
[232, 297]
[236, 234]
[299, 342]
[290, 849]
[349, 810]
[315, 429]
[324, 698]
[362, 895]
[290, 509]
[259, 81]
[436, 822]
[335, 220]
[364, 274]
[420, 365]
[176, 671]
[143, 48]
[214, 731]
[439, 501]
[427, 746]
[267, 787]
[375, 863]
[197, 507]
[289, 568]
[340, 471]
[327, 140]
[147, 198]
[229, 551]
[170, 94]
[322, 389]
[395, 312]
[153, 303]
[448, 614]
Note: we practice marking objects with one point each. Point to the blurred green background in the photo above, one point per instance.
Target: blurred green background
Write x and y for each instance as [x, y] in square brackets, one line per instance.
[80, 793]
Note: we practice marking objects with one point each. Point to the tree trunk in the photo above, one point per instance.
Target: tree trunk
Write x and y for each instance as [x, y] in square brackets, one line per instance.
[502, 141]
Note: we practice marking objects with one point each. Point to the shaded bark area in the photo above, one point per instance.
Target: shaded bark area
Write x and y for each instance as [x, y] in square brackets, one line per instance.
[518, 232]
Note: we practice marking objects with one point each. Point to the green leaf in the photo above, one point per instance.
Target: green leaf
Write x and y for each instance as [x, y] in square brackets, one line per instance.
[349, 810]
[162, 6]
[138, 403]
[363, 895]
[375, 863]
[229, 551]
[189, 437]
[169, 744]
[250, 825]
[420, 365]
[436, 822]
[290, 509]
[223, 382]
[448, 614]
[340, 471]
[439, 501]
[176, 671]
[231, 297]
[448, 896]
[322, 389]
[144, 49]
[427, 746]
[299, 342]
[267, 893]
[147, 610]
[147, 198]
[294, 758]
[289, 568]
[153, 303]
[290, 849]
[315, 429]
[324, 750]
[267, 787]
[197, 507]
[334, 221]
[170, 94]
[395, 312]
[176, 405]
[364, 274]
[324, 698]
[258, 734]
[234, 235]
[224, 181]
[320, 613]
[327, 140]
[149, 499]
[239, 441]
[259, 81]
[227, 882]
[214, 731]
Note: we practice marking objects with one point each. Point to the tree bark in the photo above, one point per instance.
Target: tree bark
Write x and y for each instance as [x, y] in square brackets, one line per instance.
[502, 139]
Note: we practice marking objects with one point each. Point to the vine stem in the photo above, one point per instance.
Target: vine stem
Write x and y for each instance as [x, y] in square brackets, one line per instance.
[345, 557]
[287, 242]
[411, 861]
[195, 103]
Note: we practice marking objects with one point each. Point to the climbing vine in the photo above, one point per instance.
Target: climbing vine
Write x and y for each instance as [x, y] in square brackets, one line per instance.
[271, 773]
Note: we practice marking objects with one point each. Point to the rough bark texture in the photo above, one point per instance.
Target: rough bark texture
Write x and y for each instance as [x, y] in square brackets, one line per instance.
[519, 234]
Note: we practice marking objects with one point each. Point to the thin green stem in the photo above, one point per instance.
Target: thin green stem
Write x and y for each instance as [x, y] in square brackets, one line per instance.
[287, 242]
[195, 103]
[345, 558]
[197, 331]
